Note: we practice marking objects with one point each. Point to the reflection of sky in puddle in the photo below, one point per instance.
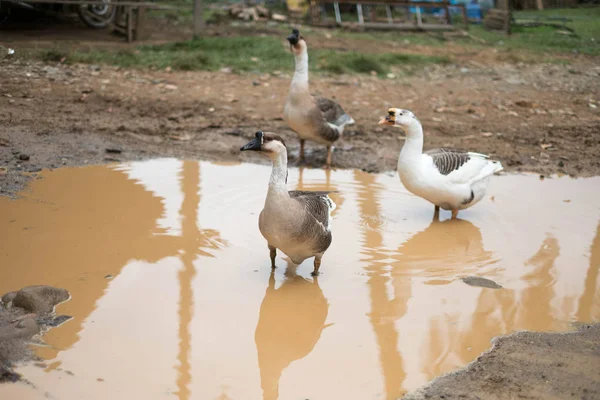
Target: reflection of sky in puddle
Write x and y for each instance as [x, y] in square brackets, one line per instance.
[192, 312]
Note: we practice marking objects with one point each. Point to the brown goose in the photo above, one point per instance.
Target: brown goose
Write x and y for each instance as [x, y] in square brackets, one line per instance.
[296, 222]
[320, 120]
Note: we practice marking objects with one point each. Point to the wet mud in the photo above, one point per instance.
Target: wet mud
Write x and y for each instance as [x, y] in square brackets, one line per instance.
[24, 315]
[174, 296]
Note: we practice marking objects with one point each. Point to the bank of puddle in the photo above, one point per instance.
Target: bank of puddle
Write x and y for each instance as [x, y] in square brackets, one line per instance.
[173, 295]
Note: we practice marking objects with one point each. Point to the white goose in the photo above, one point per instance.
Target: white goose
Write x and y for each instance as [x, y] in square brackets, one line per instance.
[450, 179]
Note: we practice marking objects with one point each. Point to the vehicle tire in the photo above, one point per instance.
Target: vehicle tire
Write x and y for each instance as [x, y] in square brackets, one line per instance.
[97, 16]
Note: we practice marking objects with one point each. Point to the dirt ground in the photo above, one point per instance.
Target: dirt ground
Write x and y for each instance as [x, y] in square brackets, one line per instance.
[542, 118]
[537, 117]
[528, 365]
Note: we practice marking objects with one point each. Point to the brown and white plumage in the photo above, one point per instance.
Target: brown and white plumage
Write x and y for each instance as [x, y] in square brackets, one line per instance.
[450, 179]
[320, 120]
[296, 222]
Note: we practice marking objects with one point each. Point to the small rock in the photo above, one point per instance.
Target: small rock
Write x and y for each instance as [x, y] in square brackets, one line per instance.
[8, 297]
[24, 157]
[58, 321]
[171, 87]
[225, 70]
[481, 282]
[40, 299]
[113, 150]
[235, 132]
[255, 83]
[487, 134]
[390, 76]
[109, 276]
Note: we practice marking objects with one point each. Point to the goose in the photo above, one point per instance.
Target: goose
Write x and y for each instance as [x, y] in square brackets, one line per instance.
[451, 179]
[296, 222]
[321, 120]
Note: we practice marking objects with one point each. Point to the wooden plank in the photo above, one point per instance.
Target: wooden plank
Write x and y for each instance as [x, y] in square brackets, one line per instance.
[540, 4]
[140, 24]
[399, 26]
[465, 17]
[129, 12]
[447, 11]
[198, 18]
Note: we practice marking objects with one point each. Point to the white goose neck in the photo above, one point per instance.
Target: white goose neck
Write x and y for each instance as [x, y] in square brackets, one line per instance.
[278, 180]
[300, 80]
[413, 146]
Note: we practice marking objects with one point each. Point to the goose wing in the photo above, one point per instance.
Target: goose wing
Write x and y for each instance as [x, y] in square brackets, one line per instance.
[316, 226]
[333, 112]
[462, 166]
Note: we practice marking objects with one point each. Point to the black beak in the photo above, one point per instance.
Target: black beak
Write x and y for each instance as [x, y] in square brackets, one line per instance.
[294, 37]
[255, 143]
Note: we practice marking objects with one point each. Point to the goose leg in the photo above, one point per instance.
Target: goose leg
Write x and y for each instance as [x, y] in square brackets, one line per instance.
[317, 265]
[302, 149]
[329, 153]
[436, 213]
[273, 253]
[454, 214]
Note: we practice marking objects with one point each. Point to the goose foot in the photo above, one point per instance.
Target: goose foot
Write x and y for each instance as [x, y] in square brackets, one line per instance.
[273, 254]
[317, 265]
[454, 214]
[329, 154]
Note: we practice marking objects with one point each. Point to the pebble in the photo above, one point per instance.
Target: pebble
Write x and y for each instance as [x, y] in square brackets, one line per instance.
[24, 157]
[481, 282]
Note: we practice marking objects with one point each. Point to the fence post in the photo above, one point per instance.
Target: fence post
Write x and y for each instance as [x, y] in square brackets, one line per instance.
[198, 18]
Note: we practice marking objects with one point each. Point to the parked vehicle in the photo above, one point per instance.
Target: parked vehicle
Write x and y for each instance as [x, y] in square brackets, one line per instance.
[95, 16]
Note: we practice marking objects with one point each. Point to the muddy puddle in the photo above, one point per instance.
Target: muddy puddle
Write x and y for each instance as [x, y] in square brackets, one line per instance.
[173, 296]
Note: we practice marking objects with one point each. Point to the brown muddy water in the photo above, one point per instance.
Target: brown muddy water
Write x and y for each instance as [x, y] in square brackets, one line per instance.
[173, 296]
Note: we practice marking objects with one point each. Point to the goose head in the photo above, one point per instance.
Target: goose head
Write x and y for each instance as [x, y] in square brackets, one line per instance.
[267, 143]
[297, 42]
[399, 118]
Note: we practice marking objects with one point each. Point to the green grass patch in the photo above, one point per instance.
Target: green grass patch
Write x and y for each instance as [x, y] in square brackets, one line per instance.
[584, 21]
[352, 62]
[241, 54]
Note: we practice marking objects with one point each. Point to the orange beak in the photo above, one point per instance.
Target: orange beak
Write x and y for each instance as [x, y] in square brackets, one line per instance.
[386, 121]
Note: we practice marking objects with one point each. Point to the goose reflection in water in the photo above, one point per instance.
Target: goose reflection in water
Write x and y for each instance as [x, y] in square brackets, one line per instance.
[290, 323]
[445, 249]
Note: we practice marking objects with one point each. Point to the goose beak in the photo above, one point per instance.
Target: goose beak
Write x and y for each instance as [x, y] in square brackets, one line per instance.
[389, 119]
[386, 121]
[255, 143]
